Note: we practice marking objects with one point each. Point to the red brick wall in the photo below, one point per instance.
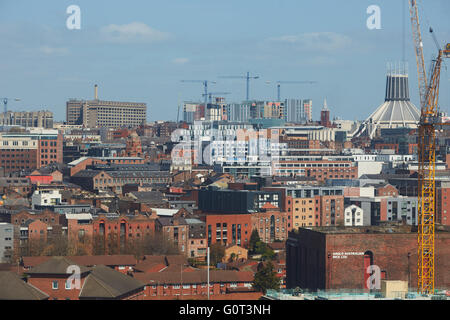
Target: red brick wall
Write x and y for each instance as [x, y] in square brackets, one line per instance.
[314, 263]
[168, 292]
[37, 230]
[48, 217]
[45, 284]
[326, 210]
[10, 159]
[443, 206]
[50, 151]
[383, 210]
[134, 229]
[243, 219]
[281, 223]
[390, 253]
[388, 190]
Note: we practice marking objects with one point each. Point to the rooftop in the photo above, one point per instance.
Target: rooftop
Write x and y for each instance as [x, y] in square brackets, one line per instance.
[395, 227]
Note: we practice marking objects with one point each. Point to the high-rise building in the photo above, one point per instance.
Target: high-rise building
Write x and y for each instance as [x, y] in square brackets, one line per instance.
[102, 113]
[295, 111]
[29, 119]
[307, 106]
[238, 112]
[194, 111]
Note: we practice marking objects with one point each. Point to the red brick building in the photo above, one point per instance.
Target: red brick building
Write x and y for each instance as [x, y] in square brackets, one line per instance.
[386, 190]
[30, 150]
[337, 258]
[229, 228]
[55, 278]
[174, 229]
[116, 232]
[121, 263]
[271, 223]
[321, 170]
[193, 285]
[443, 203]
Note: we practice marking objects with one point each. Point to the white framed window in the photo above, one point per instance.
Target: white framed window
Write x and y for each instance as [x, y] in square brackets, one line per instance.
[55, 285]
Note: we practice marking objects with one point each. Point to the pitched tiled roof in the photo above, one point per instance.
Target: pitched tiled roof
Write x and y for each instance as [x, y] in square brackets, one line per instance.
[107, 260]
[87, 261]
[176, 259]
[12, 287]
[268, 205]
[194, 277]
[55, 265]
[150, 266]
[106, 283]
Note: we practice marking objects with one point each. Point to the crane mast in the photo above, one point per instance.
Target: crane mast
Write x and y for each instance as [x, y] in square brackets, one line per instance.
[418, 47]
[429, 95]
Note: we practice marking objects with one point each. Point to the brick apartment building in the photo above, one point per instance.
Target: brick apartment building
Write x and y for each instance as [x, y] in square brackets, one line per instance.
[315, 206]
[30, 150]
[321, 170]
[174, 229]
[271, 223]
[229, 228]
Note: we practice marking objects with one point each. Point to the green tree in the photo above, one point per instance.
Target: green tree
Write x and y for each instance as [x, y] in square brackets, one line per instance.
[254, 239]
[216, 253]
[266, 278]
[268, 254]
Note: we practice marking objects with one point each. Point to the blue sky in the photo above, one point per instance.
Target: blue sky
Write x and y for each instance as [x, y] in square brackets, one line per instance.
[140, 50]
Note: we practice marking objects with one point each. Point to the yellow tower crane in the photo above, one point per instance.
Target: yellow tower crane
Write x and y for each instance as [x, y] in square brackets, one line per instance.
[429, 95]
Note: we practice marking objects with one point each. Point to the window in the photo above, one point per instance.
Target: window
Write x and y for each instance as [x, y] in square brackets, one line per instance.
[68, 285]
[54, 285]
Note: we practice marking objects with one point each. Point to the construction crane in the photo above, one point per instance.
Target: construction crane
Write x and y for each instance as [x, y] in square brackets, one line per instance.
[418, 46]
[5, 108]
[247, 77]
[205, 85]
[279, 82]
[210, 94]
[429, 95]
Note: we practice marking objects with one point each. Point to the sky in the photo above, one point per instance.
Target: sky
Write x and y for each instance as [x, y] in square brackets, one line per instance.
[140, 50]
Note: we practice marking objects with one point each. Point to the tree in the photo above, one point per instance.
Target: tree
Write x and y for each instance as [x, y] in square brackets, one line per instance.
[266, 278]
[268, 254]
[158, 244]
[264, 250]
[254, 239]
[216, 254]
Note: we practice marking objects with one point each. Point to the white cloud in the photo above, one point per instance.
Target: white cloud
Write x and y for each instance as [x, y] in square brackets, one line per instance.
[315, 41]
[53, 50]
[134, 32]
[180, 60]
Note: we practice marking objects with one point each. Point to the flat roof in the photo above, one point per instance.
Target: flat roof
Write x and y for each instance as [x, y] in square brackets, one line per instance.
[380, 229]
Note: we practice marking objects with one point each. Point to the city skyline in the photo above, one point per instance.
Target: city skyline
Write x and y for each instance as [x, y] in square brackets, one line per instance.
[136, 53]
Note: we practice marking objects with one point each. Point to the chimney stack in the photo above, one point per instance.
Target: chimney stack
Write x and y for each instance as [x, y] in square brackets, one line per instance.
[96, 92]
